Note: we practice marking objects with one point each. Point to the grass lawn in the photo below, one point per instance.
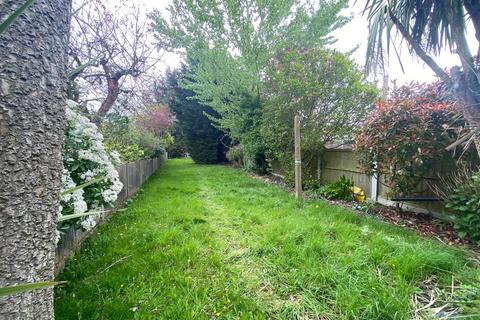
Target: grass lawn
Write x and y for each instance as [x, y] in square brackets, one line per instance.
[203, 242]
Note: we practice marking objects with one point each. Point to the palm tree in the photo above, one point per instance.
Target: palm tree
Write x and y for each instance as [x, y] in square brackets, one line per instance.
[32, 98]
[430, 26]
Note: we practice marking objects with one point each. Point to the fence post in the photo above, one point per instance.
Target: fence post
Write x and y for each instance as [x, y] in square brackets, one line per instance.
[298, 158]
[319, 166]
[126, 185]
[374, 183]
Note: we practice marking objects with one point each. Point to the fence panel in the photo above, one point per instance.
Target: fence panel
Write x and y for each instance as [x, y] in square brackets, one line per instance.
[342, 160]
[337, 163]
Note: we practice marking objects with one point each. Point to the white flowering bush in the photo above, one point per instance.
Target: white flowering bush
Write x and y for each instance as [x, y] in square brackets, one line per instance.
[85, 159]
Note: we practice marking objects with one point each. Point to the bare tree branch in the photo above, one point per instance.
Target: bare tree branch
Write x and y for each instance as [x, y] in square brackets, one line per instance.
[117, 39]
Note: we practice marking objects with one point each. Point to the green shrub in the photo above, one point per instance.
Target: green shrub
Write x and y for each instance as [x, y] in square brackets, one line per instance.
[340, 189]
[128, 152]
[465, 203]
[407, 135]
[326, 89]
[236, 156]
[178, 149]
[121, 134]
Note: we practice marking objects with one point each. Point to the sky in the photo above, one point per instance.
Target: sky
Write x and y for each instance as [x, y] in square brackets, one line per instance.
[354, 34]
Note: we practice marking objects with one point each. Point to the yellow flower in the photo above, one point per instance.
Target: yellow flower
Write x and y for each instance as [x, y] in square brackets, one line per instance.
[218, 314]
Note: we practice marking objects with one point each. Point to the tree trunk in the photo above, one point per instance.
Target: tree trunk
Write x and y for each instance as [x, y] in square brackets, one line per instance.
[107, 104]
[466, 88]
[33, 60]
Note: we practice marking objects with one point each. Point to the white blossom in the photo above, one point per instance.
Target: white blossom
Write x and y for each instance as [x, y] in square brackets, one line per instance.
[87, 159]
[57, 236]
[109, 195]
[89, 223]
[115, 156]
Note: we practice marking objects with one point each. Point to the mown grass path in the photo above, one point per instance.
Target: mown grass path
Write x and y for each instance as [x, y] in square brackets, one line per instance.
[204, 242]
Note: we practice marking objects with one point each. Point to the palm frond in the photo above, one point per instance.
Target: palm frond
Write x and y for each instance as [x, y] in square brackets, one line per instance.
[11, 18]
[428, 23]
[19, 288]
[84, 185]
[79, 215]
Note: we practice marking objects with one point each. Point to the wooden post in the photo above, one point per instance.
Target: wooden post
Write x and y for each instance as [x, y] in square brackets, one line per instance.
[298, 158]
[374, 184]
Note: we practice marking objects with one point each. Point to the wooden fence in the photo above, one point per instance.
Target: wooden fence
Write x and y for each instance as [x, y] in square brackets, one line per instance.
[133, 175]
[340, 160]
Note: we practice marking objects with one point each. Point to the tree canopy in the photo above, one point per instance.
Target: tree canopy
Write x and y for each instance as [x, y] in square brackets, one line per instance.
[203, 141]
[229, 43]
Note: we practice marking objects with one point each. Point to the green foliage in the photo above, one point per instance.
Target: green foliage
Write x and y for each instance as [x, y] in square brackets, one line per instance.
[203, 140]
[89, 178]
[202, 240]
[78, 215]
[128, 152]
[338, 190]
[236, 156]
[465, 203]
[407, 134]
[249, 134]
[122, 135]
[325, 88]
[427, 26]
[367, 206]
[179, 148]
[229, 43]
[82, 186]
[256, 28]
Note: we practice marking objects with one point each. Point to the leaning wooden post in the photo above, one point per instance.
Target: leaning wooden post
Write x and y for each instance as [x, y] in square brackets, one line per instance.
[298, 158]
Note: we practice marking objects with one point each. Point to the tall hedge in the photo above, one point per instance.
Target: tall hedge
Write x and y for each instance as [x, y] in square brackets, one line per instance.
[204, 141]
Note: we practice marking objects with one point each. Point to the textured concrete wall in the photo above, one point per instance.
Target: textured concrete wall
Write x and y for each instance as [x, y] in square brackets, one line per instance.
[33, 54]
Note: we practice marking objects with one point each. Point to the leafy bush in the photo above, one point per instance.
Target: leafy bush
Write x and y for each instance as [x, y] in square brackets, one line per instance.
[465, 203]
[144, 136]
[178, 149]
[85, 159]
[339, 190]
[236, 155]
[407, 134]
[128, 153]
[326, 89]
[247, 132]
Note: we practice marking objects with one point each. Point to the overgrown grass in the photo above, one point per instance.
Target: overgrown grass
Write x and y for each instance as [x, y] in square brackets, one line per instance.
[204, 242]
